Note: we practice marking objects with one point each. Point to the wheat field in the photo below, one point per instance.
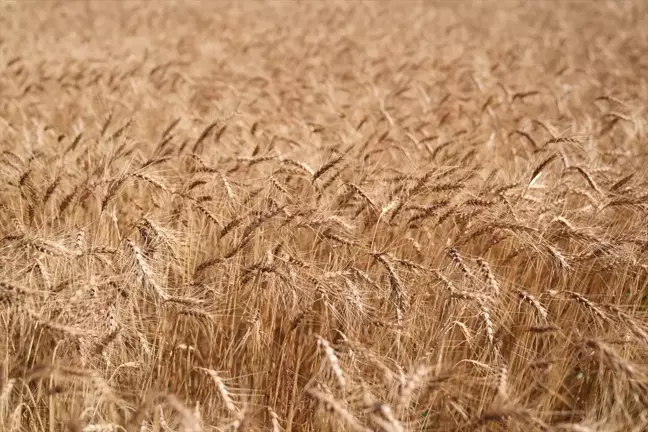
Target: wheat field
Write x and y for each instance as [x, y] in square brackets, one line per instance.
[321, 216]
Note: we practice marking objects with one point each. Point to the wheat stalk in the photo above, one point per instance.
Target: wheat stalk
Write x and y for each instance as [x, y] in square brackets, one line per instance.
[333, 360]
[338, 409]
[221, 388]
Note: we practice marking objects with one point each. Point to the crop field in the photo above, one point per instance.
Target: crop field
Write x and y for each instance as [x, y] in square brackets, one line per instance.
[323, 216]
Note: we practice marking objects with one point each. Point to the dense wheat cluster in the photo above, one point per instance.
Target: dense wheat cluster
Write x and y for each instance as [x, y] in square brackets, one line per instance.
[323, 216]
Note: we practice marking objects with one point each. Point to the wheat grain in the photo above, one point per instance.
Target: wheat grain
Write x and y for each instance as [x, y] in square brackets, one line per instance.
[338, 409]
[311, 200]
[541, 311]
[333, 360]
[222, 389]
[145, 270]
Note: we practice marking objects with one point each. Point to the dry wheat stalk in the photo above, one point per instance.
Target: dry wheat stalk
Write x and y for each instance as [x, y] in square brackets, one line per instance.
[262, 172]
[486, 315]
[338, 409]
[333, 360]
[489, 276]
[103, 427]
[145, 269]
[222, 389]
[581, 299]
[413, 381]
[397, 288]
[5, 391]
[541, 311]
[390, 423]
[457, 259]
[274, 420]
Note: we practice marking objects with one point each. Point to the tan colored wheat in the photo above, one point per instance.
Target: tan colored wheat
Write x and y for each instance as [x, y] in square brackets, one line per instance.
[323, 216]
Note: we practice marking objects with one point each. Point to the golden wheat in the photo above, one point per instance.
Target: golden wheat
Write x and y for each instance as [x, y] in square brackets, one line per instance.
[323, 216]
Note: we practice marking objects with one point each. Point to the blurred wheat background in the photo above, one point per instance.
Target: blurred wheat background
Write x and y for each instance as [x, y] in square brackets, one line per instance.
[323, 216]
